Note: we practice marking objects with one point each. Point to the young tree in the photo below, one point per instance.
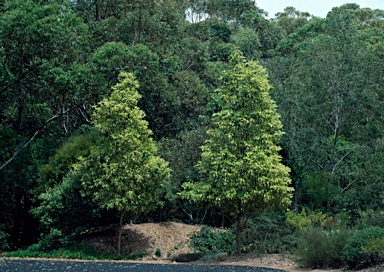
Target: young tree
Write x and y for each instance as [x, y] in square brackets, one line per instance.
[241, 170]
[123, 172]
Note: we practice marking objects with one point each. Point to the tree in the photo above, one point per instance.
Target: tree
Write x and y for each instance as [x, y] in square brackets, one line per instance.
[291, 19]
[124, 172]
[329, 92]
[249, 43]
[39, 45]
[241, 170]
[230, 11]
[44, 87]
[60, 164]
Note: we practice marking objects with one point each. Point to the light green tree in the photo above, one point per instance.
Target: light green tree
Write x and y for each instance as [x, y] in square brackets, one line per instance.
[123, 172]
[241, 170]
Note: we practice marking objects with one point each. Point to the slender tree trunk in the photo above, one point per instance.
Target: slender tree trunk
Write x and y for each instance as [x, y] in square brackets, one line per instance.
[238, 227]
[20, 112]
[97, 11]
[119, 232]
[238, 232]
[222, 220]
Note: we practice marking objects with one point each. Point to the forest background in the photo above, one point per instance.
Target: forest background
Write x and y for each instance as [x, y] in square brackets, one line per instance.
[61, 57]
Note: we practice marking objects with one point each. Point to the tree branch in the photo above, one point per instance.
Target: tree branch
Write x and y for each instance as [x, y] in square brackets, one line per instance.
[32, 134]
[22, 76]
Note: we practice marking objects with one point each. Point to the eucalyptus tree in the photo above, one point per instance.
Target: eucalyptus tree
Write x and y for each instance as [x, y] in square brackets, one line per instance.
[45, 85]
[230, 11]
[39, 45]
[329, 96]
[240, 167]
[291, 19]
[248, 41]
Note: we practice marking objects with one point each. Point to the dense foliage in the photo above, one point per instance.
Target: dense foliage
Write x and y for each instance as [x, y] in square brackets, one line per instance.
[61, 58]
[208, 241]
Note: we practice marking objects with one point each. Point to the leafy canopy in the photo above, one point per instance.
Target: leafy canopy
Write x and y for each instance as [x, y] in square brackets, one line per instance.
[240, 168]
[123, 172]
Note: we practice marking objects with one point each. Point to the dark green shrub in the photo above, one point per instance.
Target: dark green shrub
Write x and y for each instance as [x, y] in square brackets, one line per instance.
[375, 246]
[78, 251]
[53, 240]
[222, 51]
[158, 253]
[370, 218]
[268, 233]
[318, 247]
[63, 208]
[208, 241]
[355, 251]
[61, 163]
[221, 32]
[3, 239]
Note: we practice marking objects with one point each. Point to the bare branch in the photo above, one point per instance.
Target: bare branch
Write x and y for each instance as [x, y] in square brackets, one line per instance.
[22, 76]
[32, 134]
[342, 158]
[28, 139]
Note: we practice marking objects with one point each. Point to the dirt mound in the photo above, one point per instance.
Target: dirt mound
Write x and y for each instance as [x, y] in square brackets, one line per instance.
[155, 240]
[159, 240]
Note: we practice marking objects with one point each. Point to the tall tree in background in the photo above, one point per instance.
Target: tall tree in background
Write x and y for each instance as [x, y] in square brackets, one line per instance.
[124, 172]
[329, 92]
[241, 170]
[230, 11]
[291, 19]
[43, 75]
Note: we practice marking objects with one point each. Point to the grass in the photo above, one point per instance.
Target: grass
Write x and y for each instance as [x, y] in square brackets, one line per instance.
[82, 252]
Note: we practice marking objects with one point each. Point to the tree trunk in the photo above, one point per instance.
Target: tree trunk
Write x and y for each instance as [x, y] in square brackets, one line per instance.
[238, 227]
[238, 232]
[97, 11]
[222, 220]
[119, 232]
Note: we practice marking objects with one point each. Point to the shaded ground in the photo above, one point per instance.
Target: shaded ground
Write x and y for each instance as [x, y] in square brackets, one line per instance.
[167, 238]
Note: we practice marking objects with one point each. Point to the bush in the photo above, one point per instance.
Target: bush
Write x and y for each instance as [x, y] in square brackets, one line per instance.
[375, 246]
[267, 233]
[302, 220]
[3, 239]
[319, 248]
[79, 251]
[359, 250]
[208, 241]
[62, 207]
[158, 252]
[370, 218]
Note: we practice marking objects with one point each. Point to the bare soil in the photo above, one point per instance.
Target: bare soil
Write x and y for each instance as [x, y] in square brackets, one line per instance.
[163, 241]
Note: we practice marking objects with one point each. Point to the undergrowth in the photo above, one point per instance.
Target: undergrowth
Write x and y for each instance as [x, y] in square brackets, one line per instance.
[83, 252]
[208, 241]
